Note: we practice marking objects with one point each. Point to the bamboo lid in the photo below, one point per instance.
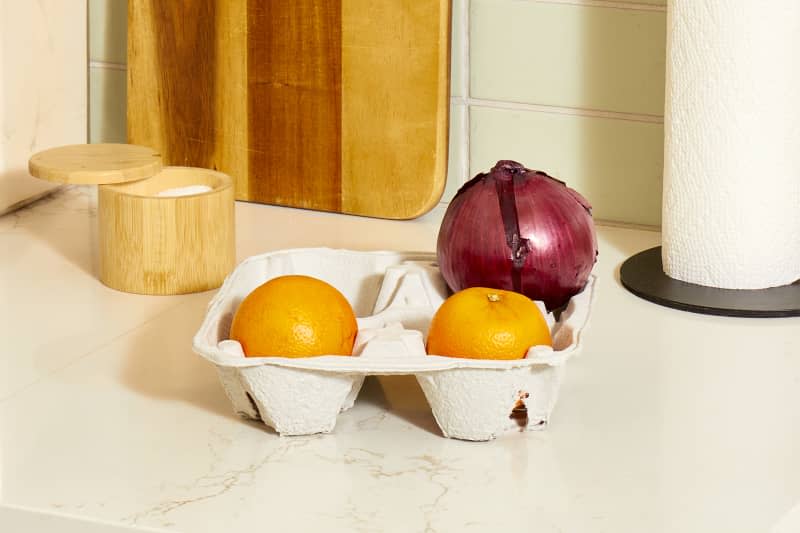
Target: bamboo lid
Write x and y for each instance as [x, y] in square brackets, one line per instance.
[95, 164]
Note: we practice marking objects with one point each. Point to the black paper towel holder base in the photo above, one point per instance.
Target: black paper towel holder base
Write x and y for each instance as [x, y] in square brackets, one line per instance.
[643, 275]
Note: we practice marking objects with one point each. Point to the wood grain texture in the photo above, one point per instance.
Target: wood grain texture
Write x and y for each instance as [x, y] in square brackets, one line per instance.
[167, 245]
[334, 105]
[87, 164]
[230, 138]
[179, 45]
[395, 87]
[187, 93]
[294, 116]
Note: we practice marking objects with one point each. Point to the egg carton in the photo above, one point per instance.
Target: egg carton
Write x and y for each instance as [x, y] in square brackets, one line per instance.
[395, 295]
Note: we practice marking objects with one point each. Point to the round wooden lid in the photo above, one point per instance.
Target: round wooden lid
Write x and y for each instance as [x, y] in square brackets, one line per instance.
[95, 163]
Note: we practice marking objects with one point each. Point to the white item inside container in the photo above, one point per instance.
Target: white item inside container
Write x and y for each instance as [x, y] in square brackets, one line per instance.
[185, 191]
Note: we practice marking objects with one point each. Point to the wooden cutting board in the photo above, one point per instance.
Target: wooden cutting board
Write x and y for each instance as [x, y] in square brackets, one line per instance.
[337, 105]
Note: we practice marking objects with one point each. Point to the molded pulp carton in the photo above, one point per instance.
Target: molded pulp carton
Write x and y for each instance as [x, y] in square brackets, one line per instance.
[395, 296]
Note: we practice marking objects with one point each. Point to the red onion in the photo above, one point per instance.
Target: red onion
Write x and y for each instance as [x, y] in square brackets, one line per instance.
[518, 229]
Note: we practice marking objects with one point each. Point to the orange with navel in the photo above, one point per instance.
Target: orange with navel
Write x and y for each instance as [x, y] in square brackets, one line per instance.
[295, 316]
[482, 323]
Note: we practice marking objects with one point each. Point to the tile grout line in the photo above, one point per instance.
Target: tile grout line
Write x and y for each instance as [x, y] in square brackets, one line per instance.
[560, 110]
[108, 65]
[608, 4]
[606, 223]
[466, 128]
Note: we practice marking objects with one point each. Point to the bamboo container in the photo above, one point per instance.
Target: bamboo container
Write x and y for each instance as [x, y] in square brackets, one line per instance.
[151, 244]
[166, 245]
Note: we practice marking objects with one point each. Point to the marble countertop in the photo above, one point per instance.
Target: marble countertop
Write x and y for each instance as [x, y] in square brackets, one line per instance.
[668, 421]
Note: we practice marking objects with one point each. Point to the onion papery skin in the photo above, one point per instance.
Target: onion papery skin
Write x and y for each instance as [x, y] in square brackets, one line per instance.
[555, 242]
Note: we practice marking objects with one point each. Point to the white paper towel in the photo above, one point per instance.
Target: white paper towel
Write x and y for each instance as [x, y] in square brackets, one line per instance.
[731, 210]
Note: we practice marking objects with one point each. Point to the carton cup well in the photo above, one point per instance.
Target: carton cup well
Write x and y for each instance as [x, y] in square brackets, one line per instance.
[394, 295]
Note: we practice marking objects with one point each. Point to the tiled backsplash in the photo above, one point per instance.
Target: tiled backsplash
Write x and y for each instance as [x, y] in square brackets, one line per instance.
[572, 87]
[108, 27]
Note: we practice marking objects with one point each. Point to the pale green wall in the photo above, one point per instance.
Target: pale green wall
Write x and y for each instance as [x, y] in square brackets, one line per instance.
[107, 86]
[573, 87]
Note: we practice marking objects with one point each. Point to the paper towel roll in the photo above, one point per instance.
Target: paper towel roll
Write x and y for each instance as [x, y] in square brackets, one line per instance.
[731, 201]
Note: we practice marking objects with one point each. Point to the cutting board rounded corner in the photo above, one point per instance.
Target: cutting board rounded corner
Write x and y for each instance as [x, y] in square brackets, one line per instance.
[311, 103]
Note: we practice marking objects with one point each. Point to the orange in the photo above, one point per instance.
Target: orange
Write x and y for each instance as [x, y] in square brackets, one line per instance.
[295, 316]
[481, 323]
